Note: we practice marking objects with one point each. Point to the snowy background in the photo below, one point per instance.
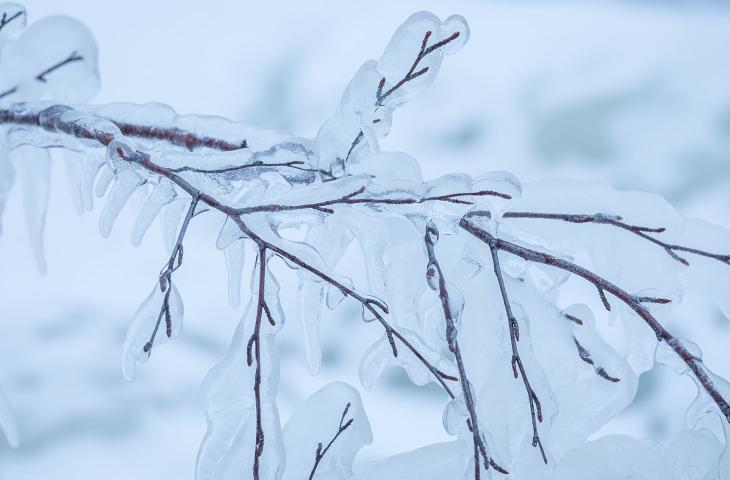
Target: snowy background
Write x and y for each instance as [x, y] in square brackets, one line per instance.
[635, 93]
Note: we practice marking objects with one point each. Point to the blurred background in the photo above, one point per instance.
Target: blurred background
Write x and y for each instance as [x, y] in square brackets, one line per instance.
[633, 92]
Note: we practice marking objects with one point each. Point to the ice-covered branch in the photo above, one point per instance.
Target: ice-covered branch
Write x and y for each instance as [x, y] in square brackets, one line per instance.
[517, 365]
[616, 221]
[436, 280]
[382, 95]
[354, 198]
[693, 363]
[5, 20]
[321, 452]
[175, 261]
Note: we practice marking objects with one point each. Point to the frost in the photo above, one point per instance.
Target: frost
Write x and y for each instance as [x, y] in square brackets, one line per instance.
[157, 320]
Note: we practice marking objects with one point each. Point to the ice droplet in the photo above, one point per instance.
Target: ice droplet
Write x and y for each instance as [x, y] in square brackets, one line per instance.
[126, 182]
[235, 256]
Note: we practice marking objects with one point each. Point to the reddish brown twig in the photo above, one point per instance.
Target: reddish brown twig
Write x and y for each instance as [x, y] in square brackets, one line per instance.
[514, 335]
[585, 355]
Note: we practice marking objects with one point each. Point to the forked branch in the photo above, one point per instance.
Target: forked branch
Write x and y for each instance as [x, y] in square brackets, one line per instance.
[616, 221]
[321, 452]
[694, 363]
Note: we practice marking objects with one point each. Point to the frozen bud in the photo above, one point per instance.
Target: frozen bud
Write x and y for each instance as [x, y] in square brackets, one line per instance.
[456, 29]
[432, 276]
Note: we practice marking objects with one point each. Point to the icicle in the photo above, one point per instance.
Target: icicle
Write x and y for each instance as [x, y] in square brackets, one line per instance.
[8, 423]
[92, 165]
[170, 220]
[229, 233]
[105, 179]
[7, 178]
[163, 193]
[235, 255]
[309, 310]
[127, 181]
[136, 344]
[74, 175]
[34, 175]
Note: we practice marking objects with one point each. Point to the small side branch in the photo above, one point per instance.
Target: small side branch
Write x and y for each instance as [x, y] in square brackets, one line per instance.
[639, 231]
[72, 58]
[5, 20]
[585, 355]
[517, 365]
[321, 452]
[175, 261]
[434, 268]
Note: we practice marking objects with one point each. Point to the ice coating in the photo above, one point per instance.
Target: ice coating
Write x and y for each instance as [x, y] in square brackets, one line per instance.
[227, 397]
[53, 59]
[315, 422]
[150, 322]
[408, 65]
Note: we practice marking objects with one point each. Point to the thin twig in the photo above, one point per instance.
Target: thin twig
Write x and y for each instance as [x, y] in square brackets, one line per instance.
[5, 20]
[350, 199]
[73, 57]
[410, 75]
[165, 279]
[434, 268]
[321, 452]
[694, 363]
[585, 355]
[616, 221]
[514, 335]
[255, 342]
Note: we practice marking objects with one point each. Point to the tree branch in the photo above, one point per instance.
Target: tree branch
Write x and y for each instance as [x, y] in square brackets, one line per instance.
[514, 335]
[695, 364]
[411, 74]
[350, 199]
[320, 453]
[616, 221]
[434, 269]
